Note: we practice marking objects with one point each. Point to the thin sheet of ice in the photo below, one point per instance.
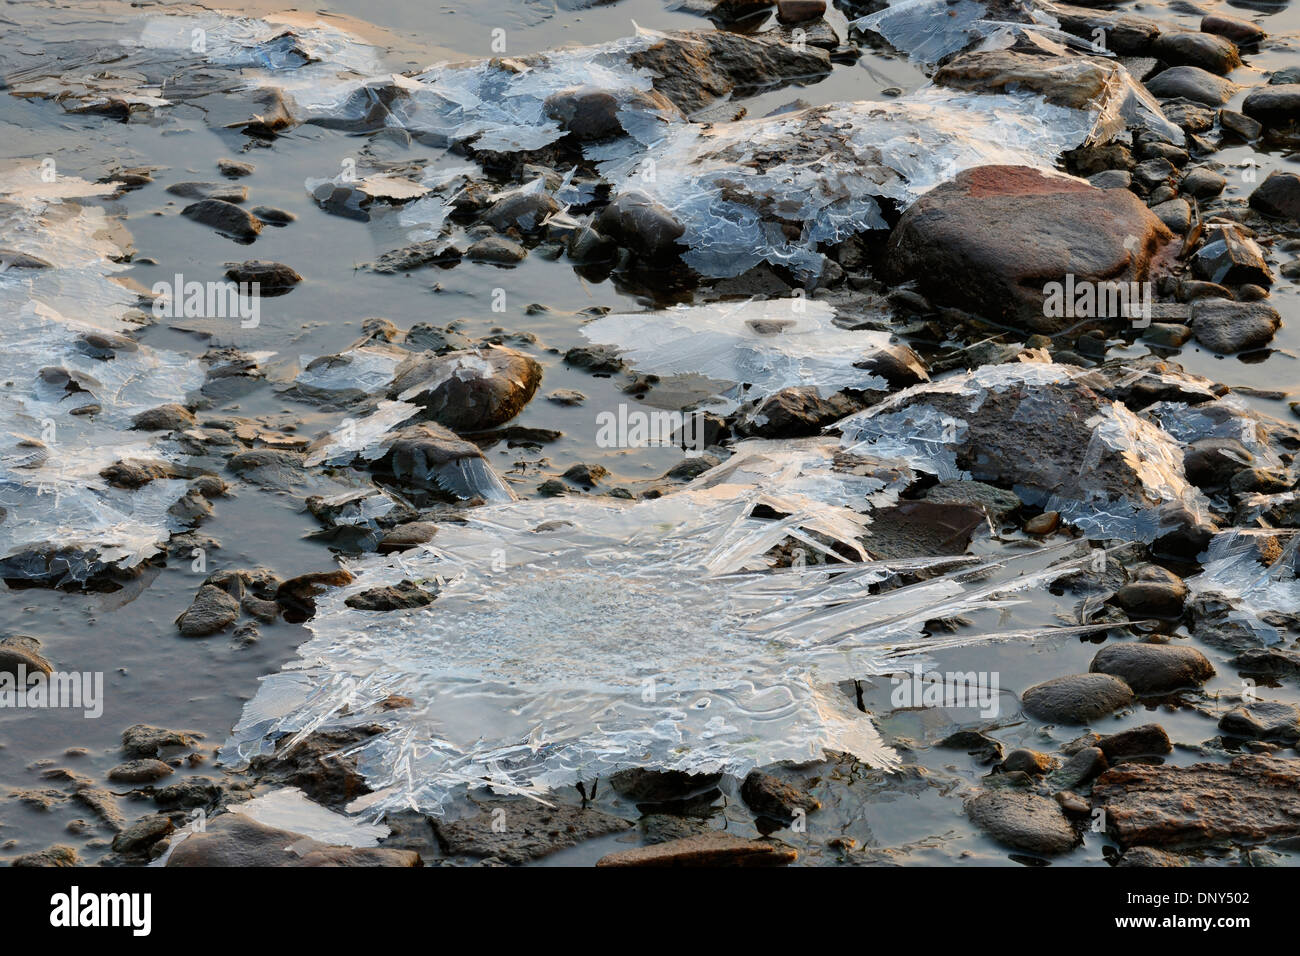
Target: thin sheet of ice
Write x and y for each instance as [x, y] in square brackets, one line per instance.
[577, 636]
[1234, 573]
[50, 458]
[365, 438]
[769, 345]
[290, 809]
[365, 370]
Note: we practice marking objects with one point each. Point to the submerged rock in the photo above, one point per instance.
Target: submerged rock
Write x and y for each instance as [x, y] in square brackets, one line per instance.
[993, 237]
[227, 218]
[1253, 799]
[771, 797]
[1025, 821]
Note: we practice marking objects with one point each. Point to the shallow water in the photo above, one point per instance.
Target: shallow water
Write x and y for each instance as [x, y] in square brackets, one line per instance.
[154, 676]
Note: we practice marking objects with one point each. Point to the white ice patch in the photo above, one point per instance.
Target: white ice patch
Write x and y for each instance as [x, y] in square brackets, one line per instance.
[50, 458]
[1233, 572]
[290, 809]
[768, 345]
[574, 637]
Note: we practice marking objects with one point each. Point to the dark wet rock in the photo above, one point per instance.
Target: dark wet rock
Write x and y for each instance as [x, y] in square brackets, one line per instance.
[1231, 257]
[584, 474]
[234, 168]
[1083, 765]
[1153, 668]
[662, 827]
[1150, 856]
[1253, 799]
[406, 536]
[1210, 463]
[983, 748]
[597, 359]
[717, 848]
[1070, 81]
[226, 218]
[53, 856]
[896, 364]
[147, 770]
[234, 840]
[590, 113]
[496, 250]
[1202, 183]
[523, 831]
[136, 472]
[1274, 661]
[1043, 524]
[1112, 179]
[999, 504]
[1167, 334]
[297, 596]
[213, 610]
[1206, 50]
[1240, 125]
[271, 277]
[1024, 821]
[270, 467]
[431, 458]
[13, 259]
[139, 837]
[1278, 196]
[1144, 741]
[318, 765]
[166, 418]
[1152, 174]
[1192, 117]
[923, 528]
[1274, 106]
[1230, 327]
[145, 741]
[771, 797]
[800, 11]
[1241, 32]
[1026, 761]
[660, 786]
[271, 216]
[1263, 720]
[406, 594]
[1077, 698]
[695, 69]
[469, 391]
[793, 412]
[1126, 34]
[21, 655]
[1152, 591]
[1192, 83]
[636, 222]
[992, 237]
[225, 192]
[417, 254]
[522, 211]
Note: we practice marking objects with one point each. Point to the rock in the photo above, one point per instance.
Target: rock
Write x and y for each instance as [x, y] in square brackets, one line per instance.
[1241, 32]
[13, 259]
[227, 218]
[1210, 463]
[147, 770]
[212, 610]
[1191, 83]
[1125, 34]
[659, 786]
[523, 831]
[135, 473]
[1153, 668]
[164, 418]
[590, 113]
[1072, 81]
[406, 594]
[993, 237]
[896, 364]
[1202, 183]
[1144, 741]
[1112, 179]
[20, 656]
[225, 192]
[234, 168]
[524, 212]
[1024, 821]
[297, 596]
[793, 412]
[1230, 327]
[1263, 720]
[139, 837]
[406, 536]
[1153, 174]
[636, 222]
[1273, 106]
[799, 11]
[1152, 591]
[1076, 699]
[1150, 856]
[271, 216]
[271, 277]
[1000, 505]
[695, 69]
[234, 840]
[54, 856]
[1240, 124]
[1253, 799]
[496, 250]
[417, 254]
[1278, 196]
[1214, 53]
[1026, 761]
[584, 474]
[144, 741]
[432, 458]
[1083, 765]
[1167, 335]
[470, 390]
[316, 767]
[717, 848]
[923, 528]
[1043, 524]
[1278, 661]
[982, 747]
[770, 797]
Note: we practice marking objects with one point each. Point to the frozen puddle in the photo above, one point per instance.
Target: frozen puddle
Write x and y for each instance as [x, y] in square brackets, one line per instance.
[72, 383]
[578, 636]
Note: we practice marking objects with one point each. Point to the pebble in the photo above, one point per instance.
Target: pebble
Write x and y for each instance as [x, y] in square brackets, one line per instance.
[1076, 698]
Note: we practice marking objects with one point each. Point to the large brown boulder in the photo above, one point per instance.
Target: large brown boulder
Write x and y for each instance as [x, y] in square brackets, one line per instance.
[992, 238]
